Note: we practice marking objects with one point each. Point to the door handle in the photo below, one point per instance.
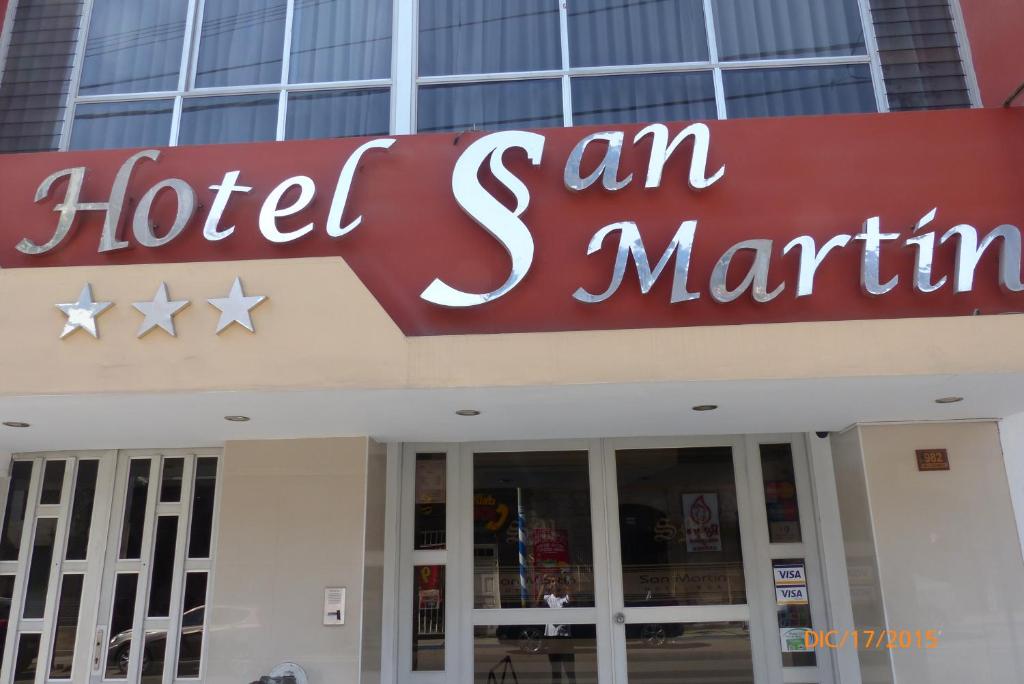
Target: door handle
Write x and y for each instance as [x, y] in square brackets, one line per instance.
[620, 619]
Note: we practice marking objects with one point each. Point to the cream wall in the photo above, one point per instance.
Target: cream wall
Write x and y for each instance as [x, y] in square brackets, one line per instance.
[293, 521]
[321, 328]
[947, 548]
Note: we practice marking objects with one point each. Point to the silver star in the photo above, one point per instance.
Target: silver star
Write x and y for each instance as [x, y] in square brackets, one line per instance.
[235, 307]
[159, 312]
[83, 313]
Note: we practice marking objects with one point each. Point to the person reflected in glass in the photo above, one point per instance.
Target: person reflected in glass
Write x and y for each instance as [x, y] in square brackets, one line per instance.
[560, 649]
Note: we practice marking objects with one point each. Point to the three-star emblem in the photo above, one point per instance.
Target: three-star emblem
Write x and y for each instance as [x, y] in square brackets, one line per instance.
[159, 312]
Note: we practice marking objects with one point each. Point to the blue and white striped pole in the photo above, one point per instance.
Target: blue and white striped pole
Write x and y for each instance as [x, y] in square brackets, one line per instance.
[524, 594]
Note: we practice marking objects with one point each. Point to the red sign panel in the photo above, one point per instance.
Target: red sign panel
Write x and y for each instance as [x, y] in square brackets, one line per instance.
[818, 177]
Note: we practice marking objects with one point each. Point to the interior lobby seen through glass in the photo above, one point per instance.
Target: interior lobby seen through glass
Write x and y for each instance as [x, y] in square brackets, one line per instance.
[532, 529]
[679, 527]
[430, 518]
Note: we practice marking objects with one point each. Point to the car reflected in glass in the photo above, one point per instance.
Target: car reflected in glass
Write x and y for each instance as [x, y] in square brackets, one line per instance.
[154, 649]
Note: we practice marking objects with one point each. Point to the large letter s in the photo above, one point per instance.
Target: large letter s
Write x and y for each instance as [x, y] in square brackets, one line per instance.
[491, 214]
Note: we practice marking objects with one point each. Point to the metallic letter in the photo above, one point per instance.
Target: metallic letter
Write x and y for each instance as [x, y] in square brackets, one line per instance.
[141, 225]
[607, 170]
[348, 171]
[757, 276]
[630, 243]
[211, 229]
[491, 214]
[71, 205]
[968, 253]
[661, 150]
[810, 259]
[872, 257]
[925, 256]
[270, 212]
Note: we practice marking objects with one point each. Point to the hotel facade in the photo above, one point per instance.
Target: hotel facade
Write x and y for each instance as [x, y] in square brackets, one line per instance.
[348, 341]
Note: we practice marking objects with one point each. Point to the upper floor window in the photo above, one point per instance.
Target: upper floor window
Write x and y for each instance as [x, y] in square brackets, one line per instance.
[151, 73]
[515, 63]
[203, 71]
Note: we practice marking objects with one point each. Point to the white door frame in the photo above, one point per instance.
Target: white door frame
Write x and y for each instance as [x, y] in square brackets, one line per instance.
[757, 551]
[90, 569]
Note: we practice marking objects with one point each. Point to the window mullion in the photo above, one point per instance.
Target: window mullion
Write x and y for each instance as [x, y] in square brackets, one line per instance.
[563, 21]
[871, 45]
[709, 28]
[286, 58]
[76, 76]
[197, 37]
[191, 35]
[403, 67]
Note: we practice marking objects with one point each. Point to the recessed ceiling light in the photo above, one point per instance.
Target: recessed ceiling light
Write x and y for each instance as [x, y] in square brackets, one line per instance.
[237, 419]
[705, 407]
[467, 412]
[16, 424]
[948, 400]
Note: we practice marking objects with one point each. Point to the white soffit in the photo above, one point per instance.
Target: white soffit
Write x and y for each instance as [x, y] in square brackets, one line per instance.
[763, 406]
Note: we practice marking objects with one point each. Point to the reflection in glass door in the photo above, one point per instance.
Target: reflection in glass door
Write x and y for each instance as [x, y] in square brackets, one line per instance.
[679, 588]
[533, 554]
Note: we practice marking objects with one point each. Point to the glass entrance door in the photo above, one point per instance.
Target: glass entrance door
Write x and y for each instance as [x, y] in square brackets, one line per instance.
[104, 566]
[639, 561]
[679, 589]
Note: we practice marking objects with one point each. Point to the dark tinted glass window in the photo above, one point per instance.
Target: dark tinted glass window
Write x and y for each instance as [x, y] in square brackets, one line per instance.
[245, 118]
[773, 29]
[609, 32]
[81, 510]
[241, 43]
[14, 516]
[27, 659]
[66, 628]
[104, 125]
[170, 481]
[6, 596]
[490, 106]
[163, 566]
[53, 482]
[202, 508]
[341, 40]
[793, 91]
[190, 647]
[133, 46]
[39, 569]
[135, 508]
[474, 37]
[650, 97]
[337, 114]
[121, 620]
